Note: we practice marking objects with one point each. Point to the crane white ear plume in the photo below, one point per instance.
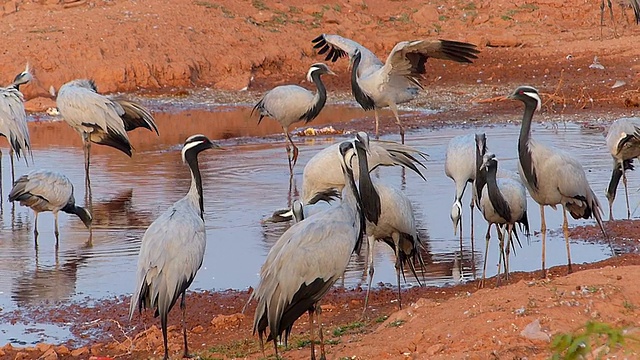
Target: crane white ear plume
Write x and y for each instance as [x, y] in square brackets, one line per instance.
[311, 70]
[536, 96]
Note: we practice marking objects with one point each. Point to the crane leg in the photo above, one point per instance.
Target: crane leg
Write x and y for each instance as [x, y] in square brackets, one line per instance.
[319, 313]
[501, 255]
[543, 232]
[508, 252]
[394, 110]
[486, 251]
[626, 192]
[35, 229]
[375, 113]
[55, 231]
[371, 241]
[87, 158]
[472, 231]
[13, 169]
[565, 230]
[183, 307]
[615, 31]
[396, 240]
[312, 333]
[294, 157]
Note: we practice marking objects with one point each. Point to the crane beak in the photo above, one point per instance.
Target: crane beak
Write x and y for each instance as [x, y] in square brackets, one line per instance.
[331, 73]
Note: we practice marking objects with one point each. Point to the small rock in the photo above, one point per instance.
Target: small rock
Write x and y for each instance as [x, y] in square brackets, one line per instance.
[197, 330]
[504, 41]
[434, 349]
[427, 14]
[42, 347]
[80, 352]
[49, 355]
[533, 331]
[227, 321]
[21, 355]
[327, 307]
[63, 350]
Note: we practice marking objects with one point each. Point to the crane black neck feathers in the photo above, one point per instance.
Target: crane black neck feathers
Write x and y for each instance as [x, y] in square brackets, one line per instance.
[363, 99]
[500, 205]
[524, 153]
[481, 149]
[317, 106]
[192, 147]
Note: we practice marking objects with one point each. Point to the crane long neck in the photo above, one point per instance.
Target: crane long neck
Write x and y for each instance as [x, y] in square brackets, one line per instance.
[481, 178]
[526, 160]
[319, 99]
[616, 174]
[363, 99]
[351, 197]
[500, 205]
[195, 191]
[369, 197]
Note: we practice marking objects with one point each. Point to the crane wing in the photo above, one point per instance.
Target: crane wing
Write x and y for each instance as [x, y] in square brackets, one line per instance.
[337, 46]
[171, 253]
[408, 58]
[13, 120]
[52, 187]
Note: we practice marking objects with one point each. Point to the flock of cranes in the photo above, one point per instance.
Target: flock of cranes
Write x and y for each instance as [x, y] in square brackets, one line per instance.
[313, 253]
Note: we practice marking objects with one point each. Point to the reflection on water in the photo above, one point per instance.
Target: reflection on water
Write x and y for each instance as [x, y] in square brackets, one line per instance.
[243, 184]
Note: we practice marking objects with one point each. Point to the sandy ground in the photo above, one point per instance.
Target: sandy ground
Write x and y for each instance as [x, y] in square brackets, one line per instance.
[156, 47]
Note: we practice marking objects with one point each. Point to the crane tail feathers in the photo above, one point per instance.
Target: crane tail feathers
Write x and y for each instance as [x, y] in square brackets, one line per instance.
[136, 115]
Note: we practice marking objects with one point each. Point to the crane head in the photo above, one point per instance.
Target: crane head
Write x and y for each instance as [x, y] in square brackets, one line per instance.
[22, 78]
[456, 213]
[489, 161]
[194, 145]
[528, 95]
[320, 69]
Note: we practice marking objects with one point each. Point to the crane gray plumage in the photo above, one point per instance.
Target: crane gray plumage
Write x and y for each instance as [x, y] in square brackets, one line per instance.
[322, 178]
[172, 248]
[289, 104]
[13, 119]
[503, 202]
[101, 119]
[308, 259]
[634, 4]
[460, 165]
[377, 85]
[552, 176]
[623, 142]
[43, 190]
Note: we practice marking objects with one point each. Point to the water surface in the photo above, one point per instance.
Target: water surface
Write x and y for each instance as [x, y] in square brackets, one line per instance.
[243, 184]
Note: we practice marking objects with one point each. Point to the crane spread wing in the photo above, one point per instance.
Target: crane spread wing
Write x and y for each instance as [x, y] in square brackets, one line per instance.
[408, 58]
[135, 115]
[337, 46]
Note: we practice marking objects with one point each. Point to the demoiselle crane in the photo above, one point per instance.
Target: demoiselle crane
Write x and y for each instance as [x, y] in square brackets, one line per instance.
[308, 259]
[377, 85]
[322, 179]
[101, 119]
[172, 249]
[460, 166]
[390, 219]
[289, 104]
[13, 120]
[503, 202]
[44, 190]
[623, 142]
[552, 176]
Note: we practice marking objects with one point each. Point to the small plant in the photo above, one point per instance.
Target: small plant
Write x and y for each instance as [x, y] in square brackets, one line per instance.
[341, 330]
[577, 345]
[259, 4]
[303, 343]
[397, 323]
[337, 8]
[207, 4]
[381, 319]
[236, 349]
[629, 305]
